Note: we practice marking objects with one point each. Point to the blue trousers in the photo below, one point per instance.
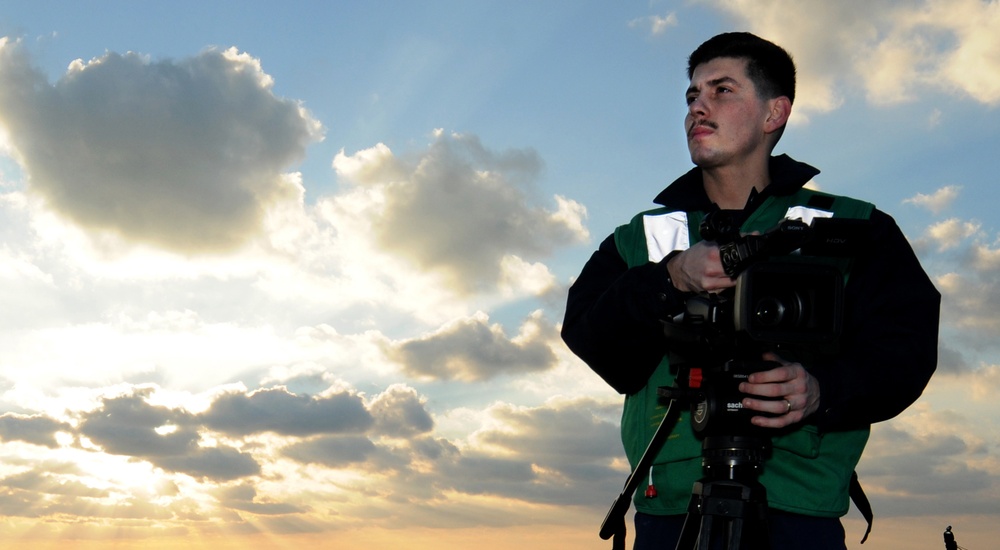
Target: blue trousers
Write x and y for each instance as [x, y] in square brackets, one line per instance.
[788, 532]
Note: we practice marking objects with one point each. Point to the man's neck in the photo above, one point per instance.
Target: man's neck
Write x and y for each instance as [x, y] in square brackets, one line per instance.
[729, 186]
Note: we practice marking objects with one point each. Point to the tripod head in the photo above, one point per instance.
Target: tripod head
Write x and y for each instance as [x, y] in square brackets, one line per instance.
[736, 457]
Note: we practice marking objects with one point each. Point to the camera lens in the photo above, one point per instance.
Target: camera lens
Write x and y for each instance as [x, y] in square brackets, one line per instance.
[769, 311]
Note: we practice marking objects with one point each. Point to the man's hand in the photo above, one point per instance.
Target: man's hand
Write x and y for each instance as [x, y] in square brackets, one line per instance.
[699, 269]
[798, 390]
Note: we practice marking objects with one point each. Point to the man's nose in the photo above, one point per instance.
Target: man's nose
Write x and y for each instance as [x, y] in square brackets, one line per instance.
[697, 107]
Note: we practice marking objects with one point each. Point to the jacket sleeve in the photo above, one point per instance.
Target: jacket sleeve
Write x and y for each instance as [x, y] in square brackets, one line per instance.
[613, 317]
[889, 341]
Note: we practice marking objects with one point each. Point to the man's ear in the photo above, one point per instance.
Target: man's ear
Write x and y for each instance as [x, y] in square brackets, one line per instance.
[779, 109]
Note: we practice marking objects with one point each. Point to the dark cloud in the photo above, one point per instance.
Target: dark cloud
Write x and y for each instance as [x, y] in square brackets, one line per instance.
[172, 439]
[920, 472]
[18, 503]
[216, 463]
[557, 454]
[560, 454]
[472, 349]
[458, 208]
[128, 425]
[32, 429]
[278, 411]
[557, 436]
[434, 449]
[335, 451]
[973, 304]
[481, 474]
[168, 438]
[951, 360]
[185, 155]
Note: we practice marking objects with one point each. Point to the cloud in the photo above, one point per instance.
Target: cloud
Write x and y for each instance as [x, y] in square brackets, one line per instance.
[49, 484]
[550, 435]
[168, 438]
[937, 201]
[657, 24]
[971, 293]
[985, 382]
[334, 451]
[969, 59]
[400, 412]
[518, 277]
[216, 463]
[472, 349]
[139, 454]
[928, 462]
[31, 429]
[129, 425]
[896, 52]
[281, 412]
[183, 155]
[244, 497]
[458, 209]
[176, 440]
[952, 232]
[562, 452]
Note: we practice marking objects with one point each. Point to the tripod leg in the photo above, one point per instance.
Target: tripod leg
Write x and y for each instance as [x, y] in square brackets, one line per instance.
[735, 534]
[689, 533]
[705, 537]
[614, 522]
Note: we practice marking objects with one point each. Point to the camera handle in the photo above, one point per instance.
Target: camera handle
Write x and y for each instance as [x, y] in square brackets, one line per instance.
[614, 522]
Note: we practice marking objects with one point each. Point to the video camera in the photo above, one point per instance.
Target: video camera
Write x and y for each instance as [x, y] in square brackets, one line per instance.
[786, 296]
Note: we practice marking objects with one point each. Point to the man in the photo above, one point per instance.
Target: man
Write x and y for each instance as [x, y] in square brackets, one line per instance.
[740, 97]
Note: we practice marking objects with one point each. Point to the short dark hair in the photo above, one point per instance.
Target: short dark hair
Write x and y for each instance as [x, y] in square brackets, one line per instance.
[769, 66]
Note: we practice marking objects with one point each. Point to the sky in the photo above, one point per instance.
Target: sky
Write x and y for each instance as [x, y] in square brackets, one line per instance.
[294, 277]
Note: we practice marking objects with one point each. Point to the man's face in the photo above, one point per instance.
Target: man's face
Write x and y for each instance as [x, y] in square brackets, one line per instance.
[725, 119]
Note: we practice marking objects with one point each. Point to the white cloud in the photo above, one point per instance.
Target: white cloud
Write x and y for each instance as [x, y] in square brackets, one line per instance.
[518, 277]
[458, 209]
[657, 24]
[937, 201]
[184, 155]
[473, 349]
[985, 383]
[950, 233]
[896, 52]
[934, 119]
[372, 165]
[970, 61]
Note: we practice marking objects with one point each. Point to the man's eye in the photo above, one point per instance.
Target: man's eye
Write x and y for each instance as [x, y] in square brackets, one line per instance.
[690, 99]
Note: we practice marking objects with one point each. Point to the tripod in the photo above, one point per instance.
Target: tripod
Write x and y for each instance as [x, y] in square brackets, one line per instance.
[728, 502]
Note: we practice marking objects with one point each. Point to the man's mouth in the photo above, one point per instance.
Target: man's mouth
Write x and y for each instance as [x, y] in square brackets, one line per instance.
[701, 128]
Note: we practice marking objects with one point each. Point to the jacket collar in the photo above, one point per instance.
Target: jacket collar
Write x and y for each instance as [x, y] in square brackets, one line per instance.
[688, 192]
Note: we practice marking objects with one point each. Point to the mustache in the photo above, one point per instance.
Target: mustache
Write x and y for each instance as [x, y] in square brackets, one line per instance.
[705, 123]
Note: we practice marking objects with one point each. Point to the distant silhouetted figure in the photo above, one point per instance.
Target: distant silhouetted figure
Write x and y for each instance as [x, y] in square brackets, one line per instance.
[949, 540]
